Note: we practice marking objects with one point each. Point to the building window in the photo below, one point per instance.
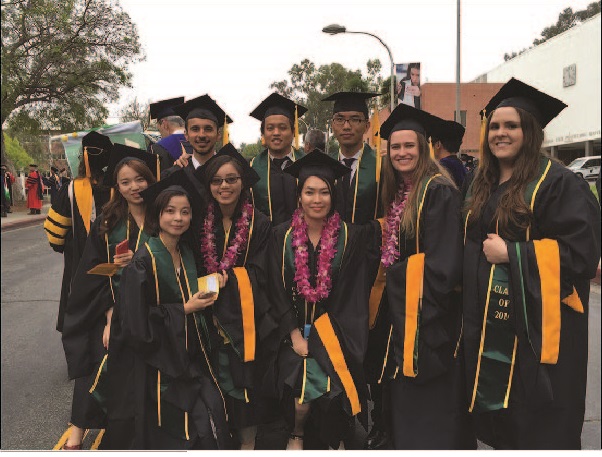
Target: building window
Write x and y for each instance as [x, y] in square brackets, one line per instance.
[462, 118]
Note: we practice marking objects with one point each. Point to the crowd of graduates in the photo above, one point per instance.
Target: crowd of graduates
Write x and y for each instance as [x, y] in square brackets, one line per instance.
[205, 298]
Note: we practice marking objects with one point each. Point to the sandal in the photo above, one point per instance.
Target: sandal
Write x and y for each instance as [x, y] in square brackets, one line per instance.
[75, 447]
[292, 436]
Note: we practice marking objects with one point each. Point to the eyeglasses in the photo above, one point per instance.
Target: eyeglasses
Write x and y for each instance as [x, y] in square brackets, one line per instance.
[229, 180]
[353, 121]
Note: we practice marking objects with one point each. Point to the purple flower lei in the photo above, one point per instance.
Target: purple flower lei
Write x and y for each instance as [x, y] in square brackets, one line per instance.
[241, 234]
[390, 245]
[328, 239]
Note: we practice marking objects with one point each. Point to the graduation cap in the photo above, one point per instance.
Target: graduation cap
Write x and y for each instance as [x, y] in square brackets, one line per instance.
[406, 117]
[316, 163]
[55, 169]
[97, 148]
[164, 108]
[517, 94]
[249, 175]
[450, 133]
[277, 104]
[33, 165]
[177, 180]
[121, 153]
[350, 101]
[203, 107]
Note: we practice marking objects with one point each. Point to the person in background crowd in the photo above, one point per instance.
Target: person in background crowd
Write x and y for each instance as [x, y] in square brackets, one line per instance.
[314, 139]
[9, 180]
[171, 127]
[69, 219]
[532, 244]
[34, 187]
[5, 195]
[53, 182]
[446, 139]
[87, 323]
[274, 193]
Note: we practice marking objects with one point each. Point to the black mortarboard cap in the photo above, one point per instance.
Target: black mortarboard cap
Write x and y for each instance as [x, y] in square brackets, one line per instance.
[203, 107]
[517, 94]
[350, 101]
[406, 117]
[249, 177]
[277, 104]
[55, 169]
[99, 149]
[120, 153]
[316, 163]
[164, 108]
[178, 178]
[33, 165]
[450, 132]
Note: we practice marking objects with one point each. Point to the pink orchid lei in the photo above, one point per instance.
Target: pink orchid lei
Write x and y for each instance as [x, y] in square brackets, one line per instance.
[390, 245]
[241, 234]
[328, 240]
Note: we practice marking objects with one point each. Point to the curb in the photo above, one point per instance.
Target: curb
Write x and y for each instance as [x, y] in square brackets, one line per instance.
[21, 223]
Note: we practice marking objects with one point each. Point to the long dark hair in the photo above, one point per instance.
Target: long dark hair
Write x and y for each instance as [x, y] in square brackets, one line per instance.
[512, 210]
[116, 209]
[154, 210]
[392, 180]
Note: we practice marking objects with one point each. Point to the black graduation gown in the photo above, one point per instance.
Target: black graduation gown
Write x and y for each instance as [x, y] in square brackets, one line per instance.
[246, 338]
[549, 275]
[90, 298]
[67, 234]
[428, 408]
[339, 330]
[165, 344]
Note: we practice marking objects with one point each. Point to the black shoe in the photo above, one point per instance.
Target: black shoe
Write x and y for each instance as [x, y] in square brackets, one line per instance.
[377, 439]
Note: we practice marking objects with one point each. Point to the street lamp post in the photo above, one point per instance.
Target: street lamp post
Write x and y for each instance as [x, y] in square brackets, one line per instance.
[334, 29]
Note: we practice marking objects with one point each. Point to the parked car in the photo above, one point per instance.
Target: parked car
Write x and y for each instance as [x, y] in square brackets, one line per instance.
[586, 167]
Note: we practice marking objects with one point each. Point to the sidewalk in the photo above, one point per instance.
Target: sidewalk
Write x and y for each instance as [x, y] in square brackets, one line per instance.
[20, 217]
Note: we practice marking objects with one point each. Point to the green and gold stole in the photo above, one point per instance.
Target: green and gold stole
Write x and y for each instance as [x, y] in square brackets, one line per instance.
[261, 191]
[497, 349]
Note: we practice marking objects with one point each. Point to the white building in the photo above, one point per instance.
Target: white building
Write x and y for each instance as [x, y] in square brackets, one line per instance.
[567, 67]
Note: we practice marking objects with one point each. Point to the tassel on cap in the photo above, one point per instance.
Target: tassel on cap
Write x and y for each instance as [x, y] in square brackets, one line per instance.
[296, 128]
[226, 134]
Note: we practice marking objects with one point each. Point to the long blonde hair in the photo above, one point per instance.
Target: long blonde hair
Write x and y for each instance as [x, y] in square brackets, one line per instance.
[392, 180]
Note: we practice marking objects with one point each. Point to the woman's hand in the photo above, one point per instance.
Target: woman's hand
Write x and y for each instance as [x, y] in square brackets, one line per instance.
[197, 303]
[106, 334]
[299, 343]
[223, 279]
[123, 260]
[495, 249]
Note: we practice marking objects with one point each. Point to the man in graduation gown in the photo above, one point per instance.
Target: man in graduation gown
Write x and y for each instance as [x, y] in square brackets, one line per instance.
[171, 127]
[77, 205]
[34, 188]
[446, 141]
[53, 182]
[358, 202]
[275, 194]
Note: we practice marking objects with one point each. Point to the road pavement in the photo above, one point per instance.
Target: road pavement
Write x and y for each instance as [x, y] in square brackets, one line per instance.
[35, 389]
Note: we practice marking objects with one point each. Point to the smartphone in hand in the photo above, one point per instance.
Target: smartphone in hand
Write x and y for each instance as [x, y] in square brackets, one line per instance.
[122, 248]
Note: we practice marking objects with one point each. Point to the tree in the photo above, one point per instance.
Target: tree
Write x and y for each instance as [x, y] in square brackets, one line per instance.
[566, 20]
[15, 153]
[249, 151]
[308, 85]
[62, 61]
[136, 111]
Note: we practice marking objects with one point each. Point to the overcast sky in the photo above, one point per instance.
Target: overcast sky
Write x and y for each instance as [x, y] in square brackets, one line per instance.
[233, 50]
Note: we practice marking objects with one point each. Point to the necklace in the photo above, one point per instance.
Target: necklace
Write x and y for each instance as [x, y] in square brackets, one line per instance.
[241, 234]
[328, 239]
[390, 246]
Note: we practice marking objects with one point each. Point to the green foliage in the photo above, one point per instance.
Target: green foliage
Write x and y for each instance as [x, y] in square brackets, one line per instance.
[308, 84]
[249, 151]
[566, 20]
[62, 61]
[16, 154]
